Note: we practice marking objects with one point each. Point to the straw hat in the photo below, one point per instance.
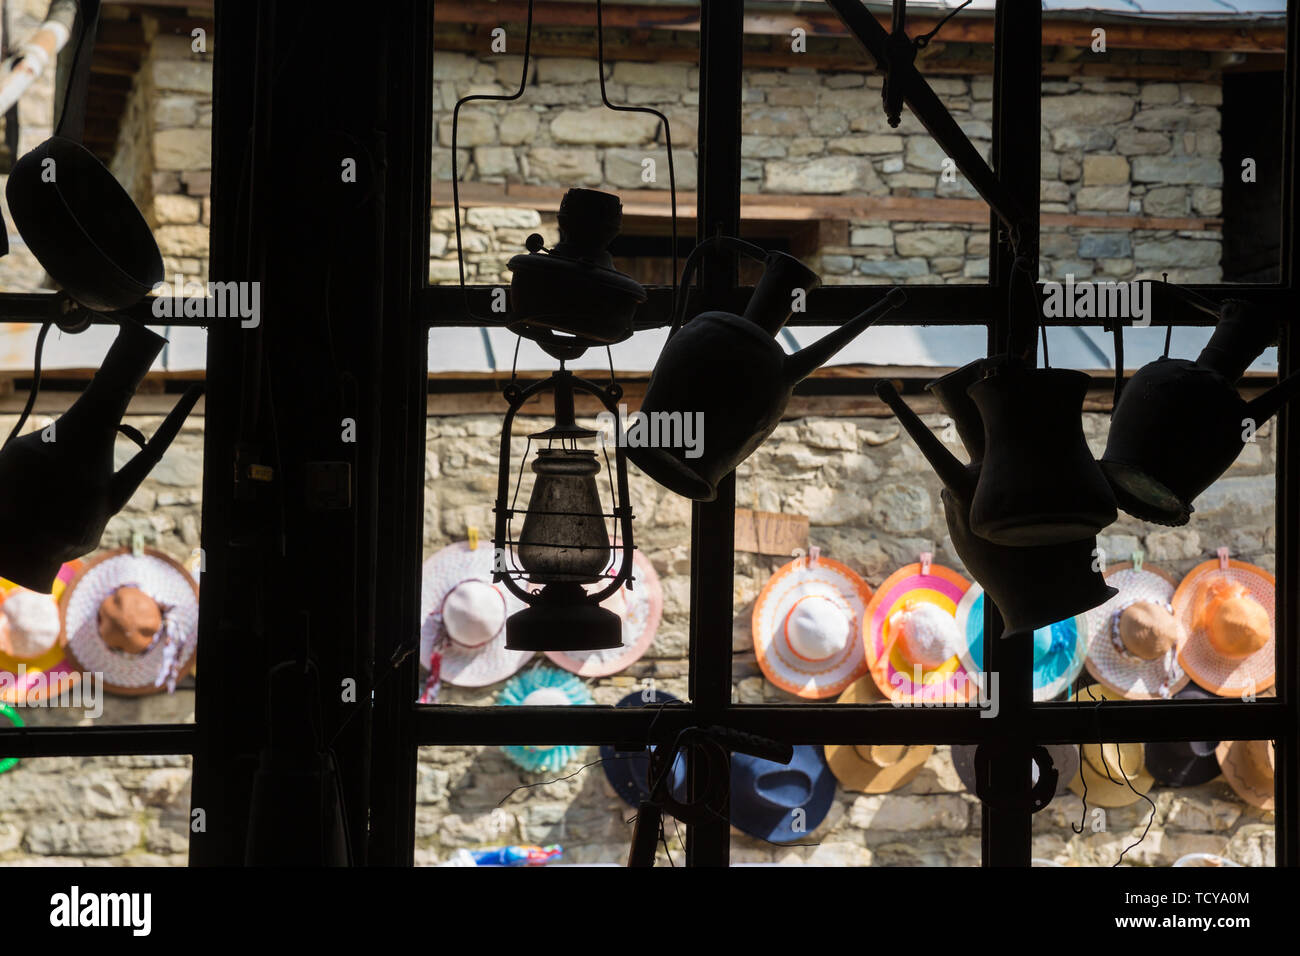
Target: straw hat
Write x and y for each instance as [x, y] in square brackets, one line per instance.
[1204, 859]
[1248, 768]
[640, 608]
[463, 618]
[910, 631]
[134, 618]
[1059, 649]
[543, 686]
[873, 769]
[1112, 775]
[1227, 607]
[1134, 638]
[1065, 758]
[33, 656]
[805, 626]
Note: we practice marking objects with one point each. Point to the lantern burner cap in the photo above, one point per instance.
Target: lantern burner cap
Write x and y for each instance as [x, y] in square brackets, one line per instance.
[572, 298]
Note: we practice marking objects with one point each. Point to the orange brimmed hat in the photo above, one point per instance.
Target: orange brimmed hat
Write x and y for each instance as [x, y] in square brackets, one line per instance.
[805, 626]
[913, 642]
[1227, 607]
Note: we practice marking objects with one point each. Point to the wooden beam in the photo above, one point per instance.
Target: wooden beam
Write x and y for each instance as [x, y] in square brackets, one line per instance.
[779, 207]
[974, 29]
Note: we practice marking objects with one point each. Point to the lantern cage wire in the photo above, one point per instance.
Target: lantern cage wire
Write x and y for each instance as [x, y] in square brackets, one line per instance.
[618, 572]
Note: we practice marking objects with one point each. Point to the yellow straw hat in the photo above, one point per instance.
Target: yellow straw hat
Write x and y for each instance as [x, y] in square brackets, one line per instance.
[878, 768]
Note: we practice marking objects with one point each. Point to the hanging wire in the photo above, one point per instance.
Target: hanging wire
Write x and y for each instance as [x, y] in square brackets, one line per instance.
[36, 383]
[455, 165]
[668, 134]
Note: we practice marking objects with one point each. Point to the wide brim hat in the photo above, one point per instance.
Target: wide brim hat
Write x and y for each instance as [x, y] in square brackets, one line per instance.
[1184, 763]
[894, 674]
[463, 664]
[543, 686]
[1249, 769]
[640, 607]
[49, 674]
[840, 595]
[1203, 859]
[1225, 676]
[1106, 772]
[873, 769]
[1059, 649]
[1065, 758]
[162, 578]
[1113, 668]
[628, 772]
[781, 803]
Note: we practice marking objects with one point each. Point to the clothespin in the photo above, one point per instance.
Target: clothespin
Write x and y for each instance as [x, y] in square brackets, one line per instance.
[473, 538]
[1223, 558]
[1137, 559]
[814, 553]
[926, 558]
[137, 544]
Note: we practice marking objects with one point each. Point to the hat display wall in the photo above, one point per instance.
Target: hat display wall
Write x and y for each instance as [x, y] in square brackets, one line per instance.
[640, 608]
[1184, 763]
[1248, 767]
[1059, 649]
[543, 687]
[781, 803]
[1065, 758]
[910, 630]
[133, 618]
[873, 769]
[1115, 775]
[628, 773]
[33, 658]
[463, 619]
[806, 624]
[1134, 638]
[1227, 607]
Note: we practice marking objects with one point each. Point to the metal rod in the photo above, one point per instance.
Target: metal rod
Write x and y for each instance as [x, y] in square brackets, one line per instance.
[929, 109]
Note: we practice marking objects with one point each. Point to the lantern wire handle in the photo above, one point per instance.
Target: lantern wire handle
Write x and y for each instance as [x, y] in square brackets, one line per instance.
[455, 174]
[668, 133]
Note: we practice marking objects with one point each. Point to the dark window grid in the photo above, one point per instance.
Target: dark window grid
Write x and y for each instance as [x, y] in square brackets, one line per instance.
[948, 305]
[1005, 834]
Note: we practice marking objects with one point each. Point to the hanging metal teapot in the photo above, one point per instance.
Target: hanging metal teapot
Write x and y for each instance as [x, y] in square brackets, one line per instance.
[1032, 586]
[727, 373]
[1179, 425]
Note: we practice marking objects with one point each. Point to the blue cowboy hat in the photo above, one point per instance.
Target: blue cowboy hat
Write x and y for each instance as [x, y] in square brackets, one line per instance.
[781, 803]
[1059, 649]
[627, 771]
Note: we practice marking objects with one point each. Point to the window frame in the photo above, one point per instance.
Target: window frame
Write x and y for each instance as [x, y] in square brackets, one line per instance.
[399, 726]
[1006, 834]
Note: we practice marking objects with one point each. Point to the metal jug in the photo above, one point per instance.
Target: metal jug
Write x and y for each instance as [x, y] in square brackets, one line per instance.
[57, 486]
[728, 373]
[1179, 425]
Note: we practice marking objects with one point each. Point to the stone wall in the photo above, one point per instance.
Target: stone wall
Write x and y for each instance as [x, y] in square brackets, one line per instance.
[1110, 146]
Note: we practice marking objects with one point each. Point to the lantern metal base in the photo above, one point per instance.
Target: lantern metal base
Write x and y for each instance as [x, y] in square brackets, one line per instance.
[564, 619]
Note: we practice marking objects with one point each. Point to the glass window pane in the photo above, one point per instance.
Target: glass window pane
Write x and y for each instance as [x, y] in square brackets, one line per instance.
[95, 811]
[1206, 803]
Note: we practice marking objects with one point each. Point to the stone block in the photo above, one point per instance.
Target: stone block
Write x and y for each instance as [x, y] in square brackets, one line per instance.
[830, 174]
[601, 127]
[1106, 198]
[182, 149]
[1105, 170]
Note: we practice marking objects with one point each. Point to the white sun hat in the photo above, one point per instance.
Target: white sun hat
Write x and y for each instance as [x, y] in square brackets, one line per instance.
[806, 626]
[463, 619]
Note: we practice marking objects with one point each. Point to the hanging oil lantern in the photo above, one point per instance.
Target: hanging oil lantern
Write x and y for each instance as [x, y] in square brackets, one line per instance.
[568, 300]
